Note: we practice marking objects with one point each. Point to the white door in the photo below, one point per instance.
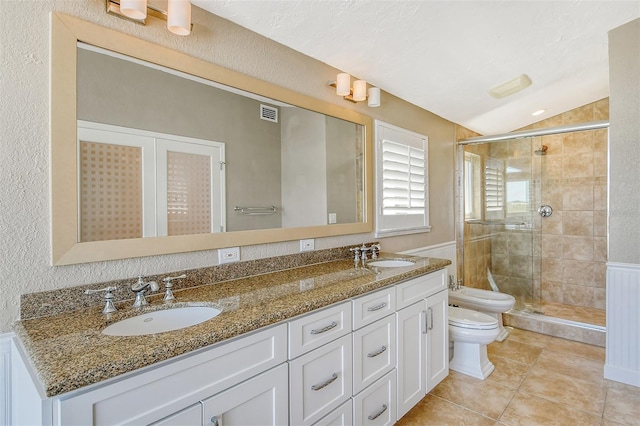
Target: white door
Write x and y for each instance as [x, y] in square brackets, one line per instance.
[411, 356]
[260, 401]
[437, 339]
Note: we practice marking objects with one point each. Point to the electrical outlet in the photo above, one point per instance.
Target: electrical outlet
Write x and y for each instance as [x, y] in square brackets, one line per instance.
[228, 255]
[307, 245]
[333, 218]
[307, 284]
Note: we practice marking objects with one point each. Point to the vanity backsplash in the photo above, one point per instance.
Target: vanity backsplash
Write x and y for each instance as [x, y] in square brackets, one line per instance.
[55, 302]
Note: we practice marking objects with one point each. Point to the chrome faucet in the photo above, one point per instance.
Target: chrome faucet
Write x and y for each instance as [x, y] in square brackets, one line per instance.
[139, 288]
[168, 294]
[363, 254]
[109, 307]
[356, 258]
[375, 249]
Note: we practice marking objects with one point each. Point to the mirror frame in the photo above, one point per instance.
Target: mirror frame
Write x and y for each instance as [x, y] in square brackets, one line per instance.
[66, 32]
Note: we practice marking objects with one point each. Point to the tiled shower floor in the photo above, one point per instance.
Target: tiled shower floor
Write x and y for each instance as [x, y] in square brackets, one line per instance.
[575, 313]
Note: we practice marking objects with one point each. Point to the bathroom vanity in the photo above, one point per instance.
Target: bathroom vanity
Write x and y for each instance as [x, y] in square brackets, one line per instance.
[317, 344]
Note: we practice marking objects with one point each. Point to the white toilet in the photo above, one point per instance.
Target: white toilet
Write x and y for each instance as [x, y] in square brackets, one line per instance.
[488, 302]
[471, 332]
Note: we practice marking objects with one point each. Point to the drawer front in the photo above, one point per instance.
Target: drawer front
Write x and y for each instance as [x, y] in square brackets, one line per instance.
[377, 404]
[374, 352]
[162, 391]
[341, 416]
[312, 331]
[409, 292]
[372, 307]
[261, 400]
[320, 381]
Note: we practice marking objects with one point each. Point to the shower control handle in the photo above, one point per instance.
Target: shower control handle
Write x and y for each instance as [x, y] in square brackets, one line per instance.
[545, 210]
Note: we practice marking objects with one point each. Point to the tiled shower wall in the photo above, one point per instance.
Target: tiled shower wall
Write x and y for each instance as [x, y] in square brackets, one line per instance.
[560, 258]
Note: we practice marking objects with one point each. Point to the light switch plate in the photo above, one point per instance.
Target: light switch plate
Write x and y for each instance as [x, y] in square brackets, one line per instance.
[333, 218]
[228, 255]
[307, 245]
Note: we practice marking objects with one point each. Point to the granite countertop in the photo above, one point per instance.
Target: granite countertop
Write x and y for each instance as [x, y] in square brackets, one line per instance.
[68, 351]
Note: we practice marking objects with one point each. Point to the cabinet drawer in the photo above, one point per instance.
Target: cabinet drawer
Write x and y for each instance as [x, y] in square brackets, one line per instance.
[372, 307]
[171, 386]
[314, 330]
[261, 400]
[419, 288]
[341, 416]
[320, 381]
[374, 352]
[188, 416]
[376, 405]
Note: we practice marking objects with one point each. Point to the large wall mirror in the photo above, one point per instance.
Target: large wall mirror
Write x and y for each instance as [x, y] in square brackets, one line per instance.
[156, 152]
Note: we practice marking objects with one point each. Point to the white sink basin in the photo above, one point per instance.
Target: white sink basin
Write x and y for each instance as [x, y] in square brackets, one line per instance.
[391, 263]
[161, 321]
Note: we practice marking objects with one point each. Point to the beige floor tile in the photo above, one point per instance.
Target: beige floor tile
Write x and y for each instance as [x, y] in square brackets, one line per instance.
[515, 351]
[527, 409]
[528, 337]
[622, 406]
[508, 373]
[436, 411]
[574, 366]
[572, 348]
[570, 391]
[482, 396]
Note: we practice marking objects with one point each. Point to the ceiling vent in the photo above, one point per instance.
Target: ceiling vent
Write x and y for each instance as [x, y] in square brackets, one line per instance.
[269, 113]
[510, 87]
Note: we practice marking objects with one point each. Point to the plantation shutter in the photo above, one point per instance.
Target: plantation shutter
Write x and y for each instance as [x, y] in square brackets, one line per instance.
[401, 181]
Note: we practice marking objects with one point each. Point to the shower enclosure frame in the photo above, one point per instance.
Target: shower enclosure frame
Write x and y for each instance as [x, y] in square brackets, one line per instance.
[460, 195]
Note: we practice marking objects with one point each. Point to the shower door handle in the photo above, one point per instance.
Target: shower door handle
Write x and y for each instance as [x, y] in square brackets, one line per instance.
[545, 210]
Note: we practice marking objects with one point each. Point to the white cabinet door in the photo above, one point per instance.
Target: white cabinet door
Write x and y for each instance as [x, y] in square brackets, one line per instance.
[411, 356]
[191, 416]
[437, 339]
[260, 401]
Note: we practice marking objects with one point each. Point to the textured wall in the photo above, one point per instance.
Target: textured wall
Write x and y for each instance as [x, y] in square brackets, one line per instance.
[624, 144]
[24, 143]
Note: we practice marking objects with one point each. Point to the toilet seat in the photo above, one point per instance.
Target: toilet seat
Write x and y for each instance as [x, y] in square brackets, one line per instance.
[473, 320]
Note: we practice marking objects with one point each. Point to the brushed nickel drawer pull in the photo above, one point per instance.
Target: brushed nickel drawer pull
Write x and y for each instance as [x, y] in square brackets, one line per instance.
[214, 420]
[332, 379]
[377, 307]
[379, 413]
[376, 353]
[325, 329]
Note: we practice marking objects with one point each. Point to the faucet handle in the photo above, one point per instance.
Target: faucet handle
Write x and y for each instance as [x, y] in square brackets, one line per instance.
[109, 307]
[168, 294]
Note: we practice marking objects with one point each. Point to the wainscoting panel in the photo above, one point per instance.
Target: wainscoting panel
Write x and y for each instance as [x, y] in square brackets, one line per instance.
[5, 378]
[441, 251]
[623, 323]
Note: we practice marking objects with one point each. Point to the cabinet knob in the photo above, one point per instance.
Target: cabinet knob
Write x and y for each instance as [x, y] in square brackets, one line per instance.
[214, 421]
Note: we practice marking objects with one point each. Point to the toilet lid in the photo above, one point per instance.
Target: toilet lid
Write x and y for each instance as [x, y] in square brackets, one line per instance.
[466, 318]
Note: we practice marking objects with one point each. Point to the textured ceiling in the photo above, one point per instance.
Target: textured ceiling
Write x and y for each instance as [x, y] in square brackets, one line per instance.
[444, 55]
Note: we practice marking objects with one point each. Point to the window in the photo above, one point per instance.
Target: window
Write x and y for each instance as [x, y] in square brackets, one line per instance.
[402, 203]
[494, 189]
[472, 187]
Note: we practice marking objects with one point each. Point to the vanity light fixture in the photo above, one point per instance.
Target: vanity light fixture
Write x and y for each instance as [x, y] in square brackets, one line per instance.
[177, 15]
[359, 91]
